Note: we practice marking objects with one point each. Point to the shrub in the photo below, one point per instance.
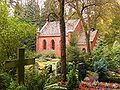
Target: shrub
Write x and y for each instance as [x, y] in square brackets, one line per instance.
[101, 68]
[48, 54]
[15, 86]
[69, 67]
[97, 53]
[85, 58]
[5, 80]
[113, 79]
[111, 55]
[30, 43]
[73, 54]
[116, 57]
[51, 79]
[38, 55]
[72, 80]
[30, 54]
[34, 80]
[58, 67]
[21, 87]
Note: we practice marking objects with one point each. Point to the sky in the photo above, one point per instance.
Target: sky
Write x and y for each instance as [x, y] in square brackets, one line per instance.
[41, 2]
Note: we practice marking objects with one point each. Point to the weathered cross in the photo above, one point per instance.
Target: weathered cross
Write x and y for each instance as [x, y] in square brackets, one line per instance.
[19, 64]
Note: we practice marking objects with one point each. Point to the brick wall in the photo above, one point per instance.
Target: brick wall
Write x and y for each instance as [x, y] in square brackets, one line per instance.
[40, 39]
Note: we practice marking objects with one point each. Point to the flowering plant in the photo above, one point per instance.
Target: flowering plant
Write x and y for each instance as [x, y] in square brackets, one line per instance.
[98, 85]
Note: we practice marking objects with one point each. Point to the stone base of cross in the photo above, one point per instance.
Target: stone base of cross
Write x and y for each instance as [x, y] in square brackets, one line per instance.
[19, 64]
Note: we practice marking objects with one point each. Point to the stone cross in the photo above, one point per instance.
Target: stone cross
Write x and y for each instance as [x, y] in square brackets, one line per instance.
[19, 64]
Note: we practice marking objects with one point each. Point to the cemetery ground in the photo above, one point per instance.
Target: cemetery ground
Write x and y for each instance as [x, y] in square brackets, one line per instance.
[26, 24]
[90, 82]
[44, 74]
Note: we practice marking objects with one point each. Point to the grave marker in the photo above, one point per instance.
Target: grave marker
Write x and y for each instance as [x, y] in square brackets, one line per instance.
[19, 64]
[56, 68]
[48, 68]
[81, 71]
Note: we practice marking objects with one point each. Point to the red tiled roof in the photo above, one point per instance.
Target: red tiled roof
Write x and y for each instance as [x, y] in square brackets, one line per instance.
[82, 39]
[53, 28]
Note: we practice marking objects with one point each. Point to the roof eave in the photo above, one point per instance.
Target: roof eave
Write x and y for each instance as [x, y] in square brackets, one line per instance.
[43, 27]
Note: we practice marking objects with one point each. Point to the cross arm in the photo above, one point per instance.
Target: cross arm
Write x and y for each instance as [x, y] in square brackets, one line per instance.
[29, 61]
[11, 64]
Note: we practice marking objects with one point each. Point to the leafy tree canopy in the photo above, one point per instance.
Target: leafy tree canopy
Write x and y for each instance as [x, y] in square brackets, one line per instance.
[13, 32]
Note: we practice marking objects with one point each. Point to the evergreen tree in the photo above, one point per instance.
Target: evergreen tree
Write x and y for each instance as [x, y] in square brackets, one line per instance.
[52, 10]
[73, 51]
[32, 12]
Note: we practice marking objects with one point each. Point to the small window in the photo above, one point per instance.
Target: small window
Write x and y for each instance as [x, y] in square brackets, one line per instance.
[44, 44]
[53, 44]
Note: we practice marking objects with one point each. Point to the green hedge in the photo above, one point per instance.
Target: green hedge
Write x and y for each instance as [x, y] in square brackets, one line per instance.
[114, 79]
[110, 79]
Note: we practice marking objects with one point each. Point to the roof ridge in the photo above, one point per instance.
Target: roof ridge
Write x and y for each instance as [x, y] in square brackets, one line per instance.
[53, 28]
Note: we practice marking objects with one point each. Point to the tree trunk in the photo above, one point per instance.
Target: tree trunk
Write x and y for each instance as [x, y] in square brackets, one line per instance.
[87, 35]
[63, 40]
[87, 32]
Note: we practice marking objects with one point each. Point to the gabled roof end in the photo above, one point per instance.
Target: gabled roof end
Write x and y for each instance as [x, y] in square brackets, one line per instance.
[43, 27]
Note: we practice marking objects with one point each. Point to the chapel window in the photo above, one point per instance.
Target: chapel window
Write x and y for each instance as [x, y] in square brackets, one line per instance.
[44, 44]
[84, 50]
[53, 44]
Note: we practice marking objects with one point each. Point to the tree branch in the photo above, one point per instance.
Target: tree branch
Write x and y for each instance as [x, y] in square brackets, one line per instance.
[70, 16]
[71, 4]
[84, 7]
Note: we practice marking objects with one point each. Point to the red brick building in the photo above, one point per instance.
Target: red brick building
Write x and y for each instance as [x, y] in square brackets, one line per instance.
[48, 38]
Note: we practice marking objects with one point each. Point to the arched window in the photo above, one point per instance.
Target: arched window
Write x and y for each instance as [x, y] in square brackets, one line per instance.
[44, 44]
[84, 50]
[53, 44]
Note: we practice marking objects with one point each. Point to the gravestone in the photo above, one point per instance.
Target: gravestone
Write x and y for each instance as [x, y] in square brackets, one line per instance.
[56, 68]
[19, 64]
[81, 71]
[49, 68]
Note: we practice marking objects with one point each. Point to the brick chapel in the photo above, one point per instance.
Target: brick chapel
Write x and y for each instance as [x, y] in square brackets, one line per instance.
[48, 37]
